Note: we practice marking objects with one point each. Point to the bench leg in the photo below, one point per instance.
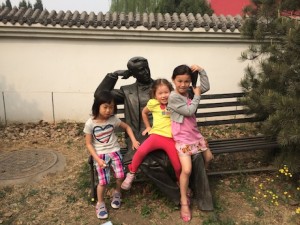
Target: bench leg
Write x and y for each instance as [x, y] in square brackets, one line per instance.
[92, 175]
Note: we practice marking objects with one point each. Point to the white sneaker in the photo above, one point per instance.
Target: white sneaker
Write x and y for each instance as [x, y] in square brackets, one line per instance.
[116, 201]
[101, 211]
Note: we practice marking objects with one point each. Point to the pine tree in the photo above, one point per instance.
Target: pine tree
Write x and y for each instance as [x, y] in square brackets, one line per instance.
[161, 6]
[273, 89]
[23, 3]
[38, 5]
[8, 4]
[192, 6]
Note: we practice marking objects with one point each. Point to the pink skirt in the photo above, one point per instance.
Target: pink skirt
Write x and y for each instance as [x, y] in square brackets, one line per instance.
[191, 149]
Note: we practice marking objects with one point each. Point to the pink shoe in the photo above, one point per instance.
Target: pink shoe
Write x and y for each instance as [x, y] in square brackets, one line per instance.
[126, 185]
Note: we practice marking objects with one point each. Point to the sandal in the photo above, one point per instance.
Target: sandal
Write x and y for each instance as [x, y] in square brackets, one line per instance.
[185, 215]
[101, 211]
[116, 201]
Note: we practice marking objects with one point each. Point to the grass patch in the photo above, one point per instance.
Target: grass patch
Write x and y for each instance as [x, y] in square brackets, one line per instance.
[278, 189]
[84, 183]
[146, 211]
[215, 220]
[33, 192]
[71, 199]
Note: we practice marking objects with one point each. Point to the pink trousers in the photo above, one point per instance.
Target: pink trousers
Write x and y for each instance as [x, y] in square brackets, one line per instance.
[152, 143]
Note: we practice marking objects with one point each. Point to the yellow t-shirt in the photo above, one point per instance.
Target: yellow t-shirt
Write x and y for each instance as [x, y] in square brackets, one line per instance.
[161, 118]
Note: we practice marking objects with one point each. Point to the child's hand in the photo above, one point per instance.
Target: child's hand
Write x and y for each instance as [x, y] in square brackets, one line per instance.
[146, 131]
[101, 163]
[135, 145]
[196, 68]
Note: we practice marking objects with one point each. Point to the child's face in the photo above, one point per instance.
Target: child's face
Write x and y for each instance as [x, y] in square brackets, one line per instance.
[162, 94]
[106, 110]
[182, 83]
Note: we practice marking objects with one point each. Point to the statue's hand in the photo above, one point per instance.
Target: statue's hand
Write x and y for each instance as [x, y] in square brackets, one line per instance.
[125, 74]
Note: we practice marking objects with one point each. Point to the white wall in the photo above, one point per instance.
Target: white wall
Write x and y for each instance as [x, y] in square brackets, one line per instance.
[45, 78]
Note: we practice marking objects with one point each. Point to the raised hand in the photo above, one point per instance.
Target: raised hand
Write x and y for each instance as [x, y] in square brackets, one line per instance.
[125, 74]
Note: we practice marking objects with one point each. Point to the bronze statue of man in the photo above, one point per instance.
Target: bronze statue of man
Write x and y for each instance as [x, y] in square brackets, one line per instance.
[156, 165]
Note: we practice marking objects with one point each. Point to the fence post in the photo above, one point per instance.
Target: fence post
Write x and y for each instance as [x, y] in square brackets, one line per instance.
[5, 119]
[53, 111]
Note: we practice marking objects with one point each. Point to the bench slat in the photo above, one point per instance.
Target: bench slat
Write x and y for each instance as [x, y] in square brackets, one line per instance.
[245, 148]
[229, 121]
[218, 104]
[220, 96]
[258, 137]
[263, 169]
[221, 113]
[241, 144]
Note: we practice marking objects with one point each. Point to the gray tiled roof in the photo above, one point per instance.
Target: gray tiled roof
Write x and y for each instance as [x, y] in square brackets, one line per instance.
[120, 20]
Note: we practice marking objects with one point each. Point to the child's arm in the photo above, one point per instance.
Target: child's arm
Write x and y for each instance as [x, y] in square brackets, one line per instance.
[127, 128]
[90, 147]
[204, 82]
[178, 103]
[146, 121]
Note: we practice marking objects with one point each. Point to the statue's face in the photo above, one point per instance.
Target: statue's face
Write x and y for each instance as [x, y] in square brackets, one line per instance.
[141, 72]
[142, 75]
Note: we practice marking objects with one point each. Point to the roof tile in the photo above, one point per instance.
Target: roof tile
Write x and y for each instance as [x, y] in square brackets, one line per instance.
[120, 20]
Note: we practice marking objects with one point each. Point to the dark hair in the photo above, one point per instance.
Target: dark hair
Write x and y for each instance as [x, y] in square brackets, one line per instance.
[180, 70]
[102, 98]
[157, 83]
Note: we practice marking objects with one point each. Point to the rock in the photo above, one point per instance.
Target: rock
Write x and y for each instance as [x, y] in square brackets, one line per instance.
[8, 214]
[293, 202]
[227, 182]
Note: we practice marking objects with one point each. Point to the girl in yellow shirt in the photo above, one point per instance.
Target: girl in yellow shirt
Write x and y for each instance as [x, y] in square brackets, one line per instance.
[160, 136]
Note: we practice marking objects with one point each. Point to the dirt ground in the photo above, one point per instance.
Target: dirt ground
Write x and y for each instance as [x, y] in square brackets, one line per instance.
[62, 197]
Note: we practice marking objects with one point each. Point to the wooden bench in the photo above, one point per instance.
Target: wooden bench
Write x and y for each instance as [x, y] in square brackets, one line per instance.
[221, 109]
[226, 109]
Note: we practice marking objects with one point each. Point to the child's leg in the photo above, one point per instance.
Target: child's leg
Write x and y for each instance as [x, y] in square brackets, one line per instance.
[103, 177]
[118, 185]
[101, 210]
[136, 161]
[146, 147]
[116, 200]
[171, 151]
[208, 156]
[100, 193]
[117, 166]
[152, 143]
[186, 168]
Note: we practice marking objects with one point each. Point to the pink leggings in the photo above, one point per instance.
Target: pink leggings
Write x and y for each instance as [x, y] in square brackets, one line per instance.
[152, 143]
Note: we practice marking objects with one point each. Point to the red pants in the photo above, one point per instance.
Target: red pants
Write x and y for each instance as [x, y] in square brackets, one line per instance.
[152, 143]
